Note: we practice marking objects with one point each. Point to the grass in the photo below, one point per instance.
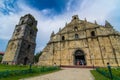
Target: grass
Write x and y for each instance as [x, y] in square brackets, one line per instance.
[115, 70]
[98, 76]
[27, 75]
[20, 76]
[12, 67]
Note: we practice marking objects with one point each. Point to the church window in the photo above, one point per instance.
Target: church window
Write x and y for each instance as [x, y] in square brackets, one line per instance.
[63, 38]
[76, 36]
[93, 33]
[75, 28]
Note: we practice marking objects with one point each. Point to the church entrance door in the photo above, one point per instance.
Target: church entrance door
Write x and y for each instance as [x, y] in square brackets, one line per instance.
[79, 58]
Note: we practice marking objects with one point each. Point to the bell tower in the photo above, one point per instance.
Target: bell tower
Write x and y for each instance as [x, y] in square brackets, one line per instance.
[21, 47]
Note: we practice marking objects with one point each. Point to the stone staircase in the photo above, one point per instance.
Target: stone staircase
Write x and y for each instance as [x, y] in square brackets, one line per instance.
[77, 66]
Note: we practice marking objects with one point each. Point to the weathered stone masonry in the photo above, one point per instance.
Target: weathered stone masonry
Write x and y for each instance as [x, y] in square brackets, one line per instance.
[83, 43]
[21, 47]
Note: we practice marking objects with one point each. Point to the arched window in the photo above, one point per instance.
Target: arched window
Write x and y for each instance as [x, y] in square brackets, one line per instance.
[22, 21]
[28, 47]
[75, 18]
[93, 33]
[76, 36]
[75, 28]
[63, 38]
[31, 24]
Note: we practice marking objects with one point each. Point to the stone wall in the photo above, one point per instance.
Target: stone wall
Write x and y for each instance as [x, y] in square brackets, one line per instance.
[21, 46]
[100, 44]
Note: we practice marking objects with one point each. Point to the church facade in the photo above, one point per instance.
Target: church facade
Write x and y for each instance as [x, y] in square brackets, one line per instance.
[82, 43]
[21, 46]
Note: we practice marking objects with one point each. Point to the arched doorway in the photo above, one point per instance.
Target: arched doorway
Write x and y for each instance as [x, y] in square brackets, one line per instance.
[79, 58]
[25, 60]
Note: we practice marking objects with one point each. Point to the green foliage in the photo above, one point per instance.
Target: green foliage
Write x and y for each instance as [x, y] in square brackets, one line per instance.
[17, 77]
[1, 58]
[23, 71]
[4, 67]
[115, 72]
[36, 57]
[98, 76]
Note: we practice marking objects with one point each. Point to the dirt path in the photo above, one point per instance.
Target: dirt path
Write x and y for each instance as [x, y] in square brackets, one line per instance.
[66, 74]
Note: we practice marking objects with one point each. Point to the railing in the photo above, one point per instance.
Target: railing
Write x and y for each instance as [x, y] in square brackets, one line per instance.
[8, 73]
[107, 74]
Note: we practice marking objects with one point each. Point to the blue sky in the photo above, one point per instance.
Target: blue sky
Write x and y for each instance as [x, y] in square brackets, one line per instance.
[53, 14]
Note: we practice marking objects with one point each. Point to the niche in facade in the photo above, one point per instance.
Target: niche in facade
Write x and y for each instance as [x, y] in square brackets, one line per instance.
[93, 33]
[76, 36]
[63, 38]
[75, 28]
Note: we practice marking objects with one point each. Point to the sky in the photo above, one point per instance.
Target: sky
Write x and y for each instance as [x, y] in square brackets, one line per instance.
[54, 14]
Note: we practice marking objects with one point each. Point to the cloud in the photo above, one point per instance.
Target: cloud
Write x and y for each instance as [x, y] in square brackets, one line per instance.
[45, 24]
[99, 10]
[8, 6]
[7, 25]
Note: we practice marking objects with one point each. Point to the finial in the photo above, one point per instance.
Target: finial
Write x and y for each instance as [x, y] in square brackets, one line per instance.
[107, 24]
[59, 29]
[52, 34]
[85, 20]
[66, 24]
[95, 22]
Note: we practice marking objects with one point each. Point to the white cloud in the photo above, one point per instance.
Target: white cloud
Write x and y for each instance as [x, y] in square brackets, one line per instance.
[7, 25]
[96, 10]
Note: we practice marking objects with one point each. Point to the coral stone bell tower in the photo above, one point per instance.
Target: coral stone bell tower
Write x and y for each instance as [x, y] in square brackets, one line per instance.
[21, 47]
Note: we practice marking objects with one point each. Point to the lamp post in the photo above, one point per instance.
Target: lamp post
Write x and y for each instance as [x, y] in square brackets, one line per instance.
[110, 72]
[30, 67]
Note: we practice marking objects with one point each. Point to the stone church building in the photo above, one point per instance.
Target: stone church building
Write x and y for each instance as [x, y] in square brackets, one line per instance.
[21, 47]
[83, 43]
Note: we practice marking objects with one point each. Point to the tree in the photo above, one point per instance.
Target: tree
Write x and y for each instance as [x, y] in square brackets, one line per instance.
[1, 58]
[36, 57]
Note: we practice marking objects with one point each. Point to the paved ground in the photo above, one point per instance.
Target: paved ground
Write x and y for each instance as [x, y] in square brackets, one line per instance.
[66, 74]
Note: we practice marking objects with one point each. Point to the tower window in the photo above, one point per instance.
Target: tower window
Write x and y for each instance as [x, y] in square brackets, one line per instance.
[28, 46]
[75, 18]
[93, 33]
[76, 36]
[32, 24]
[75, 28]
[63, 38]
[24, 43]
[22, 21]
[30, 32]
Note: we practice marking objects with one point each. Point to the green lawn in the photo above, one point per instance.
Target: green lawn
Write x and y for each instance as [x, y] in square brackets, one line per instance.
[27, 75]
[115, 70]
[12, 67]
[98, 76]
[17, 75]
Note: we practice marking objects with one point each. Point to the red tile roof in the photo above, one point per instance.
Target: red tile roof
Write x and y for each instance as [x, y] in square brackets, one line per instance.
[1, 53]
